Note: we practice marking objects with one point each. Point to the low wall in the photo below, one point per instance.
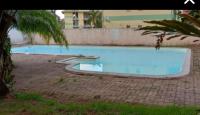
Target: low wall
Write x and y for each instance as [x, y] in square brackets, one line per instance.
[114, 37]
[17, 37]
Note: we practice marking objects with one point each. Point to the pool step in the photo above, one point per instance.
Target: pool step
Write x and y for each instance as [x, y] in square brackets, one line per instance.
[71, 59]
[87, 57]
[65, 60]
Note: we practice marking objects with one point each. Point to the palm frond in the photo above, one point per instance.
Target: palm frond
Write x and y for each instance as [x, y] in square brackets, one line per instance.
[157, 28]
[195, 40]
[191, 19]
[149, 32]
[182, 38]
[95, 18]
[171, 24]
[174, 36]
[177, 26]
[40, 22]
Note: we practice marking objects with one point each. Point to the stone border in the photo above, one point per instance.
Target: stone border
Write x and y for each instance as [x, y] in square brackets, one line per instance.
[185, 71]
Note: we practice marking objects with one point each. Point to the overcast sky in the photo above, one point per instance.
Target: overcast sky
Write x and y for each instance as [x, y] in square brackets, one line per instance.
[60, 14]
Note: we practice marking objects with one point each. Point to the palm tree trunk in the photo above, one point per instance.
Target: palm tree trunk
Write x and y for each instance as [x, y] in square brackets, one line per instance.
[3, 89]
[4, 67]
[5, 57]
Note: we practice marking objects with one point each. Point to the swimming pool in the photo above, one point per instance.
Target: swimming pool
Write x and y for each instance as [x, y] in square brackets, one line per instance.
[140, 61]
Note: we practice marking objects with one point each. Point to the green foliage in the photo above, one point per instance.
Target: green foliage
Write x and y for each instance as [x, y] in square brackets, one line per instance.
[33, 103]
[188, 27]
[40, 22]
[95, 19]
[193, 13]
[28, 96]
[8, 77]
[156, 28]
[173, 26]
[176, 26]
[191, 19]
[62, 23]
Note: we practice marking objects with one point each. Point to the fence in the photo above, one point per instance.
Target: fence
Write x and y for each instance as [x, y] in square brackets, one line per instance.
[114, 37]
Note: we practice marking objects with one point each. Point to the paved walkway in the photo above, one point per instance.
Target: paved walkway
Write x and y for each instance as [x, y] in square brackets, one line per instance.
[40, 73]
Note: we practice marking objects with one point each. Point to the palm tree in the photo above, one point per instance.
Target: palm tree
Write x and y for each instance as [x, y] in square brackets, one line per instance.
[175, 28]
[27, 21]
[95, 19]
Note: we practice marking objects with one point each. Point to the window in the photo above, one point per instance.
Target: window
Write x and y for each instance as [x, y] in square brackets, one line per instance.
[75, 20]
[86, 16]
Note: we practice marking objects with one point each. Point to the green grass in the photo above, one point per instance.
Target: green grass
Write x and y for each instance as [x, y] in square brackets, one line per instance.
[32, 103]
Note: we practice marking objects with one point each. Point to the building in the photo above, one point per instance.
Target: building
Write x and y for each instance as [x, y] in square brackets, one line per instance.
[117, 18]
[134, 18]
[76, 19]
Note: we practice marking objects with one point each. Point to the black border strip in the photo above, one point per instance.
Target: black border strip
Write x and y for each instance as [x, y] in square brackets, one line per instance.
[99, 4]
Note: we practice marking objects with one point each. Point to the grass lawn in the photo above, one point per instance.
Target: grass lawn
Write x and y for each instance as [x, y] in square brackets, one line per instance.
[32, 103]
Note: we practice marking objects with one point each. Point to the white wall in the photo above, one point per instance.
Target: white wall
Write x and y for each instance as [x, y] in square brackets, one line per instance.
[16, 36]
[114, 37]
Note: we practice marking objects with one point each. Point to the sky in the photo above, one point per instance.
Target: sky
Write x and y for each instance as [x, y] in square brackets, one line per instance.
[60, 14]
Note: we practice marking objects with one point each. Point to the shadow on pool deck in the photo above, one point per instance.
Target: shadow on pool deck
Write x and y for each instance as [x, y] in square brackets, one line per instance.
[40, 73]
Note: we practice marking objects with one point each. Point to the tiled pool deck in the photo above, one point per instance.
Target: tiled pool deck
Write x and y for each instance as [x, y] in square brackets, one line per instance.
[37, 73]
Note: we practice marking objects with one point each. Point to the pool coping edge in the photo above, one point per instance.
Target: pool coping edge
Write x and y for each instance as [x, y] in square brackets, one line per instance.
[185, 71]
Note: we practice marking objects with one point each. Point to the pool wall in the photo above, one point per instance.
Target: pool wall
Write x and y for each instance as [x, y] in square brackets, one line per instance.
[185, 71]
[185, 63]
[114, 37]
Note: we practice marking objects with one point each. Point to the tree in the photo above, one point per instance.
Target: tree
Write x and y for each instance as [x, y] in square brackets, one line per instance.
[27, 21]
[175, 28]
[95, 19]
[194, 13]
[54, 13]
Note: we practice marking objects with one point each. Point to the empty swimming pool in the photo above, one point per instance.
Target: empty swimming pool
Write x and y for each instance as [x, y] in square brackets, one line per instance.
[140, 61]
